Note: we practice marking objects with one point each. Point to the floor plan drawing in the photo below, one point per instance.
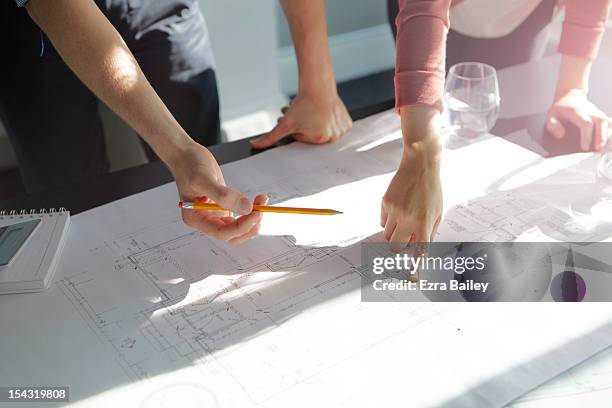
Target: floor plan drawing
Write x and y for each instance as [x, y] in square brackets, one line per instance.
[279, 319]
[178, 321]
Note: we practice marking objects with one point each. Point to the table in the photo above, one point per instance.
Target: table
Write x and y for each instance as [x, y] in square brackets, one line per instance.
[518, 112]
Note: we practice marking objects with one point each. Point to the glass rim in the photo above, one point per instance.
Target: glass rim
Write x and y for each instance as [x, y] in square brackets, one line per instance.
[489, 71]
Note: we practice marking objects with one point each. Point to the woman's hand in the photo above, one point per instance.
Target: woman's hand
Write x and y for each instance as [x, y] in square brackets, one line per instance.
[310, 119]
[412, 206]
[199, 179]
[573, 107]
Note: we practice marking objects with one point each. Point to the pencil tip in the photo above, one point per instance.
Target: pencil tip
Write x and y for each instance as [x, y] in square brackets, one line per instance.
[338, 212]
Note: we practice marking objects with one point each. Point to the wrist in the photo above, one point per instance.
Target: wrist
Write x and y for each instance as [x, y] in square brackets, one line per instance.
[559, 94]
[426, 152]
[421, 132]
[173, 151]
[322, 92]
[573, 76]
[318, 82]
[419, 122]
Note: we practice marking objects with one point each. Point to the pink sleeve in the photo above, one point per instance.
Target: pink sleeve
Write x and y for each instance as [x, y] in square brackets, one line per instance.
[583, 28]
[422, 26]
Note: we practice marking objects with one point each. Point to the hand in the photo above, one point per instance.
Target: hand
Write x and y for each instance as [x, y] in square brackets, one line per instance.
[412, 206]
[309, 119]
[574, 107]
[199, 179]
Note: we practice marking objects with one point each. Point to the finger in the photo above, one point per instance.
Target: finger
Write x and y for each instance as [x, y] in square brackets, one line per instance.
[320, 139]
[598, 124]
[335, 135]
[282, 130]
[422, 234]
[434, 230]
[206, 225]
[229, 199]
[555, 127]
[212, 213]
[420, 247]
[253, 232]
[225, 232]
[343, 130]
[227, 220]
[585, 124]
[383, 216]
[390, 226]
[402, 236]
[261, 199]
[603, 127]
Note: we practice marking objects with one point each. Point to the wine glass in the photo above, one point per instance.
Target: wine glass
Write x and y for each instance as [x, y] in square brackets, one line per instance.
[471, 96]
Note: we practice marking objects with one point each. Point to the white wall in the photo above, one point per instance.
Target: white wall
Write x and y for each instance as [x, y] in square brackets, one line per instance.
[355, 54]
[245, 43]
[360, 41]
[343, 16]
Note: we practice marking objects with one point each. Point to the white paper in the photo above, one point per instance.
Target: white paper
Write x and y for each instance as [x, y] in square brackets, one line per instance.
[586, 385]
[146, 312]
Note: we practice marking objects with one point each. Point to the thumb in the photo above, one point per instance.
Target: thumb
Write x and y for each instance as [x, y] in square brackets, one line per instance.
[554, 126]
[280, 131]
[231, 200]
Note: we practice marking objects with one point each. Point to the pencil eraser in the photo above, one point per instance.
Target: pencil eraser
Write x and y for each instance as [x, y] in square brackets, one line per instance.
[180, 204]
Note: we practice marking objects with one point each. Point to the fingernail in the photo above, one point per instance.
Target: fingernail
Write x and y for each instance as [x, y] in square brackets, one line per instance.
[245, 205]
[255, 141]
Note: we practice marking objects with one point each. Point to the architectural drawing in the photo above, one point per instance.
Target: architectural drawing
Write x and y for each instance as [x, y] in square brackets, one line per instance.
[279, 321]
[175, 320]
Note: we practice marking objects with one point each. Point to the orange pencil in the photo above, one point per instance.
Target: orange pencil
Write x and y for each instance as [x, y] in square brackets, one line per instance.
[261, 208]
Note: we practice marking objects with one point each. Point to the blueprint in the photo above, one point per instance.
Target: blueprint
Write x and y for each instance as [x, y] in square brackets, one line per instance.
[587, 385]
[147, 312]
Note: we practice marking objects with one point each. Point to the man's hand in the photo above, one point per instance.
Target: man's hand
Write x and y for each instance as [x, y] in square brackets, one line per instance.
[199, 179]
[573, 107]
[316, 115]
[310, 120]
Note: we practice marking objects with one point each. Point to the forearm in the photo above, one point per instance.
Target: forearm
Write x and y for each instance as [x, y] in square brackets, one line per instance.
[583, 29]
[308, 28]
[573, 74]
[421, 134]
[97, 54]
[422, 27]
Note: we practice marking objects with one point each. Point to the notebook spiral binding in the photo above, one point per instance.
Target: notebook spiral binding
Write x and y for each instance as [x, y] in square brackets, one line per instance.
[18, 214]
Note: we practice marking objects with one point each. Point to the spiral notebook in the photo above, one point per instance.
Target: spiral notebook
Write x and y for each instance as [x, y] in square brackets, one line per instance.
[31, 243]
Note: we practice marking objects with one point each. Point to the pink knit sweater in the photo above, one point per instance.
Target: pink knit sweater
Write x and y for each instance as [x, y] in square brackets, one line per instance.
[422, 27]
